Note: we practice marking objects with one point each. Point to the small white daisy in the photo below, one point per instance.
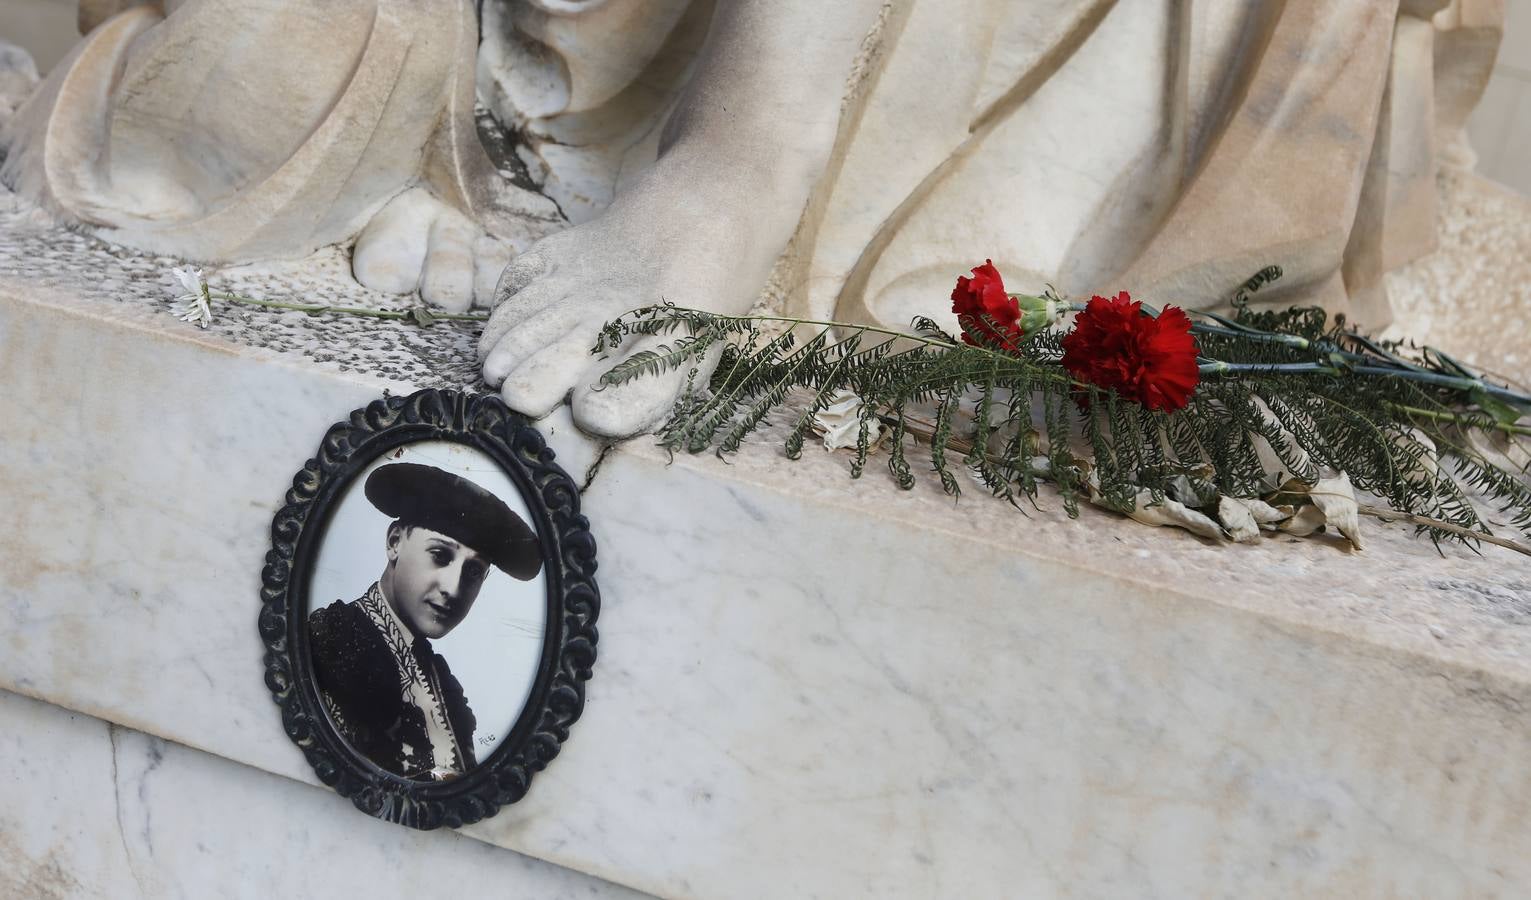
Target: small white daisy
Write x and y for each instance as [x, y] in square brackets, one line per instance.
[193, 298]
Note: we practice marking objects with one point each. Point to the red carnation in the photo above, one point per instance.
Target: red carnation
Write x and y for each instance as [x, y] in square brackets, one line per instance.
[1115, 345]
[985, 310]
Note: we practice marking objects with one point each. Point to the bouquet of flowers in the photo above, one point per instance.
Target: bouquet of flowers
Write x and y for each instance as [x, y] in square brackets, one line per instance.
[1224, 425]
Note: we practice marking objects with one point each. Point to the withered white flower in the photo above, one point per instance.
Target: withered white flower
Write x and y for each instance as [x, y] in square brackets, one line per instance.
[1166, 512]
[840, 422]
[1337, 500]
[1333, 503]
[1244, 517]
[1305, 521]
[193, 298]
[1170, 512]
[1238, 521]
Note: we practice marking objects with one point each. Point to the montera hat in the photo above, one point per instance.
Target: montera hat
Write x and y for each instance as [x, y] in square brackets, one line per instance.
[456, 507]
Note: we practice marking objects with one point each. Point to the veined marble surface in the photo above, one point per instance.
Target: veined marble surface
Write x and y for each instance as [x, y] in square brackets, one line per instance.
[97, 810]
[808, 686]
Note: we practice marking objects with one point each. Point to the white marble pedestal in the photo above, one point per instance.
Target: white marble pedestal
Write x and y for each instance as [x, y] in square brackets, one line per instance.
[808, 686]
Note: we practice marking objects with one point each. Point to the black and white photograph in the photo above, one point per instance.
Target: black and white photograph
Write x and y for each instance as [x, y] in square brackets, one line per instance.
[428, 609]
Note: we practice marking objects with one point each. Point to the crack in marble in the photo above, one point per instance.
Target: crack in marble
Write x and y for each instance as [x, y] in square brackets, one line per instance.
[122, 832]
[595, 467]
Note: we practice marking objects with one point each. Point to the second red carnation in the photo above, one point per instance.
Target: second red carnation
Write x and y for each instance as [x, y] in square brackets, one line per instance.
[1116, 346]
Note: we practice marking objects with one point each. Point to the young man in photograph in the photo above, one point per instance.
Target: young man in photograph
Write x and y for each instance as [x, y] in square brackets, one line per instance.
[390, 695]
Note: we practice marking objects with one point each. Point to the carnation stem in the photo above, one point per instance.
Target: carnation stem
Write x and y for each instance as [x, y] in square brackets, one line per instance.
[1403, 369]
[1228, 328]
[1365, 364]
[1457, 419]
[843, 326]
[1216, 367]
[1451, 381]
[1260, 337]
[319, 309]
[789, 320]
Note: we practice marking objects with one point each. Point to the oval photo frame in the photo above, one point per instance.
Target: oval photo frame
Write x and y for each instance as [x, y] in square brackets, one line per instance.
[418, 758]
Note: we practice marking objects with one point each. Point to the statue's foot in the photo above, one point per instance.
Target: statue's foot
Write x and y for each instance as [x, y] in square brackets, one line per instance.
[738, 160]
[416, 242]
[671, 237]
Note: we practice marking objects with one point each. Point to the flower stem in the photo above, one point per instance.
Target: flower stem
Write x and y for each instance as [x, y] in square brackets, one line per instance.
[1212, 367]
[1217, 367]
[1395, 365]
[319, 309]
[872, 329]
[1451, 381]
[1458, 419]
[1391, 515]
[1365, 364]
[933, 342]
[1260, 337]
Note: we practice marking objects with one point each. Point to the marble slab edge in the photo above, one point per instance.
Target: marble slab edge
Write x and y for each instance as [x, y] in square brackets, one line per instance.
[823, 480]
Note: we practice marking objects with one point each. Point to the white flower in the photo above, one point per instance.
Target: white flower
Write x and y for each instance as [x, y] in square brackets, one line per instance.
[196, 310]
[840, 422]
[193, 298]
[190, 278]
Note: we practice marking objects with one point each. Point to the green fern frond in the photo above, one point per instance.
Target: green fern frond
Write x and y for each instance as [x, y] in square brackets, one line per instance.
[1315, 394]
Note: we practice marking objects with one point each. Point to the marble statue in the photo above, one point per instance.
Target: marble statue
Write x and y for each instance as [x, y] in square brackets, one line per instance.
[837, 159]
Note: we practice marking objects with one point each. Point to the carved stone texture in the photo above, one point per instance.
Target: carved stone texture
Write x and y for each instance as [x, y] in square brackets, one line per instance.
[229, 131]
[587, 84]
[1168, 149]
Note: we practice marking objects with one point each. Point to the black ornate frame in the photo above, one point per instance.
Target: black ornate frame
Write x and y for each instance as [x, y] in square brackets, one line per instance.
[573, 603]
